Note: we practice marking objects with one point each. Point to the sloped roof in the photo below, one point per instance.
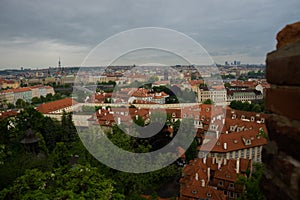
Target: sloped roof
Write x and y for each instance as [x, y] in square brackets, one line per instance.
[56, 105]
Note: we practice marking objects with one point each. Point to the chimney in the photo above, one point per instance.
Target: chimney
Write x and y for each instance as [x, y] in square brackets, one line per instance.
[223, 121]
[204, 160]
[225, 145]
[197, 177]
[119, 120]
[202, 182]
[208, 174]
[136, 117]
[225, 161]
[237, 165]
[219, 165]
[99, 111]
[217, 134]
[213, 160]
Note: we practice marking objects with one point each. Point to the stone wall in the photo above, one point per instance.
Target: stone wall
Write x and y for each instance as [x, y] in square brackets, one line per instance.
[282, 155]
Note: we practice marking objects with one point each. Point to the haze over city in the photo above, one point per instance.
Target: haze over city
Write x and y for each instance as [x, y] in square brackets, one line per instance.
[36, 33]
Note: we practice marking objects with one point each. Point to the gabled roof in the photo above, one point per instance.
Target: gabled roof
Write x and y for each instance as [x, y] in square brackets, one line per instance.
[233, 141]
[56, 105]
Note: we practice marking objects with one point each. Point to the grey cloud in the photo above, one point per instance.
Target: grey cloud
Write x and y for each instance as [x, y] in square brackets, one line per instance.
[222, 27]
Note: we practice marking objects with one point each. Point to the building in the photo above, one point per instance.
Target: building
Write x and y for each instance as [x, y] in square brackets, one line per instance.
[243, 94]
[243, 135]
[205, 178]
[24, 93]
[4, 84]
[7, 96]
[58, 107]
[139, 95]
[217, 94]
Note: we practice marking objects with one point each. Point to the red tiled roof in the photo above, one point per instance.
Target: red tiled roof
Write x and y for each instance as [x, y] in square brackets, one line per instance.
[9, 113]
[234, 141]
[56, 105]
[23, 89]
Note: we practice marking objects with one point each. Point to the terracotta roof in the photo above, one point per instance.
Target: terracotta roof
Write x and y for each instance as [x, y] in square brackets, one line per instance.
[201, 174]
[23, 89]
[56, 105]
[233, 141]
[9, 113]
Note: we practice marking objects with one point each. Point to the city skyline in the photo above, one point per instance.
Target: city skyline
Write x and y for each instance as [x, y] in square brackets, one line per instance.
[36, 34]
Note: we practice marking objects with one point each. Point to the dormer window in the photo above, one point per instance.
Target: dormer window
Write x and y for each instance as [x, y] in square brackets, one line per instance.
[234, 116]
[262, 120]
[220, 183]
[252, 118]
[232, 128]
[194, 192]
[173, 115]
[246, 141]
[243, 117]
[208, 194]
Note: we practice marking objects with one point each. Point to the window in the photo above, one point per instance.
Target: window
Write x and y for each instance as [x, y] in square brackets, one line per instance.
[242, 153]
[220, 183]
[231, 185]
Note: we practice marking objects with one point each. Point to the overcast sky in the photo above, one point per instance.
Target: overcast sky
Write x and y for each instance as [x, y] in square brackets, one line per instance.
[35, 33]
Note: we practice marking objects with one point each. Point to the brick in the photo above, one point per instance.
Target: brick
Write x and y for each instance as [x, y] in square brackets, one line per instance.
[284, 101]
[283, 65]
[286, 133]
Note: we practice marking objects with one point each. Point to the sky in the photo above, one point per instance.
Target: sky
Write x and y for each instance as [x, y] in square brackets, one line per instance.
[35, 33]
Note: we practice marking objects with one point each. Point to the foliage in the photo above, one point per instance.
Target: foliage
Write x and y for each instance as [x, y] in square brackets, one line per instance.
[29, 176]
[208, 101]
[79, 182]
[252, 184]
[20, 103]
[246, 106]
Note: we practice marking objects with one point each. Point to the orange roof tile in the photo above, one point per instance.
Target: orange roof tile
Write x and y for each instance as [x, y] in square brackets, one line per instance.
[56, 105]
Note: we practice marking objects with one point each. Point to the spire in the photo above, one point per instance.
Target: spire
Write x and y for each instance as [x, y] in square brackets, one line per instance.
[59, 63]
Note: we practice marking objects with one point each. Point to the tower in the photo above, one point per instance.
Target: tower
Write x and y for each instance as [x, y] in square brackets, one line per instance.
[59, 63]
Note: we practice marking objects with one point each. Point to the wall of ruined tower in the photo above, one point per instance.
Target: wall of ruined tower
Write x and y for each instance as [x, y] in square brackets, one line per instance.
[282, 155]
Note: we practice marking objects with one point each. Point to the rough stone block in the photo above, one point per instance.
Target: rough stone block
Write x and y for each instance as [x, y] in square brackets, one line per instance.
[283, 65]
[285, 133]
[284, 101]
[289, 34]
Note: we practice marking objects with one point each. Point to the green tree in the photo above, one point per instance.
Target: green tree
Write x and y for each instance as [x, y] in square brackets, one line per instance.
[252, 184]
[60, 155]
[191, 152]
[80, 182]
[20, 103]
[208, 101]
[35, 100]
